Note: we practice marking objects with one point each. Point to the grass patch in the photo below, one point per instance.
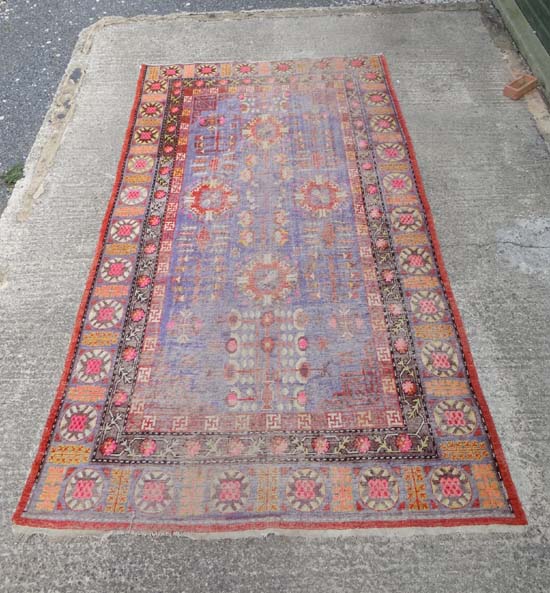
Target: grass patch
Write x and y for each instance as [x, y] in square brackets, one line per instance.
[13, 175]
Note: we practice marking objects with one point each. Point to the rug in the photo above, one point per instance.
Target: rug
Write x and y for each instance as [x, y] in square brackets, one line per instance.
[268, 340]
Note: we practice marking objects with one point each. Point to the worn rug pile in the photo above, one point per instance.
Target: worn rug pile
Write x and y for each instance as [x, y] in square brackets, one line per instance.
[267, 340]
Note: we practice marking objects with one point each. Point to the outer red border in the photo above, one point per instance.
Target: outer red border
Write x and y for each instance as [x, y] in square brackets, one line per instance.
[519, 518]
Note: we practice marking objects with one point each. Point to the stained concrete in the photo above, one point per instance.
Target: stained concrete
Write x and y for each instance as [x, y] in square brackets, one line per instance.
[487, 175]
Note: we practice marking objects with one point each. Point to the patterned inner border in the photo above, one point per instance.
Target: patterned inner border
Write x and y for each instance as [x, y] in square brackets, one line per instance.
[171, 447]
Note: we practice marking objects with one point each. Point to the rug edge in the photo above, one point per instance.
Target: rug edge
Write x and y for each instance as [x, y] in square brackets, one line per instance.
[224, 531]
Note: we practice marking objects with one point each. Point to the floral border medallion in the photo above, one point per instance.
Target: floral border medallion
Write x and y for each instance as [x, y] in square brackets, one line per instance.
[268, 339]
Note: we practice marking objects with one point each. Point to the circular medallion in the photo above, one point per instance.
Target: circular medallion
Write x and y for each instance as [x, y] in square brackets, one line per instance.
[397, 183]
[78, 422]
[440, 358]
[415, 260]
[377, 98]
[320, 196]
[206, 70]
[115, 269]
[390, 151]
[230, 491]
[406, 219]
[378, 489]
[105, 314]
[305, 490]
[125, 231]
[455, 417]
[428, 306]
[265, 131]
[171, 71]
[383, 123]
[84, 490]
[156, 86]
[451, 487]
[266, 279]
[145, 135]
[370, 76]
[133, 194]
[140, 164]
[244, 69]
[93, 366]
[151, 109]
[211, 199]
[154, 492]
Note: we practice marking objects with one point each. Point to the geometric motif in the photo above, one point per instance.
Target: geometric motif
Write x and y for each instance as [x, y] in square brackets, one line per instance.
[154, 492]
[305, 490]
[451, 487]
[379, 489]
[78, 422]
[230, 491]
[84, 490]
[268, 338]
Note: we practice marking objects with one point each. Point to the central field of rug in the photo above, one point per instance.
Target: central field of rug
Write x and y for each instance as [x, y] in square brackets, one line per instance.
[267, 340]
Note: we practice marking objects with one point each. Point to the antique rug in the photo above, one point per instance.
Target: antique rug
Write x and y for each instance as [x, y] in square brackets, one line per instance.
[268, 339]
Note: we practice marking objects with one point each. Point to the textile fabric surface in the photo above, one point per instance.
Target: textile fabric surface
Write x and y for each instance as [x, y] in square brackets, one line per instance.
[268, 340]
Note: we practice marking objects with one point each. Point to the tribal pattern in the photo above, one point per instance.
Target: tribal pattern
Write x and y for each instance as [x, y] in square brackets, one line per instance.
[268, 339]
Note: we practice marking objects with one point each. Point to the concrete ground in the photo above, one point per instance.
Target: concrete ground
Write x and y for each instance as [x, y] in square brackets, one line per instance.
[487, 174]
[37, 38]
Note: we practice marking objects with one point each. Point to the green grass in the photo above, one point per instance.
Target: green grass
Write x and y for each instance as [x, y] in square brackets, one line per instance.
[13, 175]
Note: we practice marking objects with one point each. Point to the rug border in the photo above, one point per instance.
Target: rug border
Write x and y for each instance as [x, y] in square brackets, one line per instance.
[513, 497]
[264, 528]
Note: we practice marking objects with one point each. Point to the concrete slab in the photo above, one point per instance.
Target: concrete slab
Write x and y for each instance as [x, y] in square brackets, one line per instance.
[487, 174]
